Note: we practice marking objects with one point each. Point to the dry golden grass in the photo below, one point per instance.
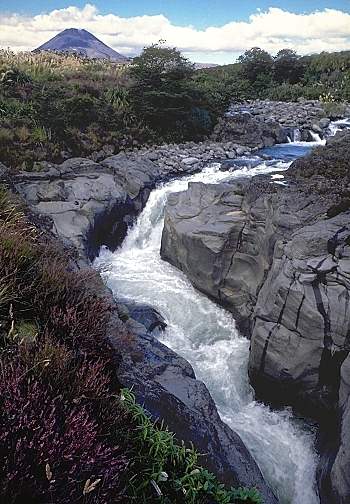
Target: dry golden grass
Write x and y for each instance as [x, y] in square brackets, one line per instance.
[46, 64]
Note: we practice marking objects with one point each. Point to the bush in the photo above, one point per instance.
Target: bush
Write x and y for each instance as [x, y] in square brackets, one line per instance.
[169, 472]
[81, 110]
[51, 451]
[6, 136]
[333, 109]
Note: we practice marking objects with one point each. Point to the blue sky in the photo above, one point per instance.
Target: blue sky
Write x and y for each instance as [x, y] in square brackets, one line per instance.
[199, 13]
[214, 31]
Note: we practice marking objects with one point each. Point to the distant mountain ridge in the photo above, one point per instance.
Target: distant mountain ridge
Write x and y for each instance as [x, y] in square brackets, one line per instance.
[81, 42]
[200, 66]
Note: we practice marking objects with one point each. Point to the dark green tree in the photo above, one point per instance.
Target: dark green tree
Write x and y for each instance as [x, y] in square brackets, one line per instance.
[256, 64]
[287, 67]
[163, 92]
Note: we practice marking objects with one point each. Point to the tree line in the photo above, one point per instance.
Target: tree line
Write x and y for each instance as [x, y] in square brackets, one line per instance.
[286, 76]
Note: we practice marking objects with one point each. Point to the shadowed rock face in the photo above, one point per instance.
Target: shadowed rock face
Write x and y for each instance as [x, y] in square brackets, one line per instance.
[166, 384]
[88, 204]
[340, 474]
[279, 259]
[245, 129]
[301, 319]
[83, 43]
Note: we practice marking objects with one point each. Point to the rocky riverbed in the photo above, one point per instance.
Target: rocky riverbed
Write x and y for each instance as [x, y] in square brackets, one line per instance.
[246, 126]
[90, 203]
[262, 123]
[278, 257]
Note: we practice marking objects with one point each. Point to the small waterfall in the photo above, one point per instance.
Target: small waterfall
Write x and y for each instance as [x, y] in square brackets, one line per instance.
[296, 135]
[336, 126]
[316, 138]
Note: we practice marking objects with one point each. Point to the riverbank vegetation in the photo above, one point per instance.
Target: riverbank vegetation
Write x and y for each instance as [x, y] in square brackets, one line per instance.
[68, 432]
[285, 77]
[56, 106]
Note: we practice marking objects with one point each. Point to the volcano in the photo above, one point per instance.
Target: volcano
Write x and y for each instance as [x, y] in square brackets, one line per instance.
[83, 43]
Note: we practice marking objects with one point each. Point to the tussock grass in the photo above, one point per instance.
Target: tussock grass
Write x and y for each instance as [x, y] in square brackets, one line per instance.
[51, 66]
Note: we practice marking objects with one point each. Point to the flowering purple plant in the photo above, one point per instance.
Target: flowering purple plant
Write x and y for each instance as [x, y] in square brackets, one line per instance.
[50, 449]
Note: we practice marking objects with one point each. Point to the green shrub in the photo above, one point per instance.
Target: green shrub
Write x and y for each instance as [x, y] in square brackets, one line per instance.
[168, 472]
[6, 136]
[119, 98]
[81, 110]
[334, 110]
[40, 134]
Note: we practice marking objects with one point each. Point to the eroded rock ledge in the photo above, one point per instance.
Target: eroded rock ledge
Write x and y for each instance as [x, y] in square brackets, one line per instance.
[92, 203]
[279, 259]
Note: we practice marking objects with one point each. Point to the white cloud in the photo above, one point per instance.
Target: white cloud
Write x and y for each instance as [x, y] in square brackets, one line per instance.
[326, 30]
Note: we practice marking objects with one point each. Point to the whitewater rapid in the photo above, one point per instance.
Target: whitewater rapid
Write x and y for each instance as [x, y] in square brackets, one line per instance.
[205, 335]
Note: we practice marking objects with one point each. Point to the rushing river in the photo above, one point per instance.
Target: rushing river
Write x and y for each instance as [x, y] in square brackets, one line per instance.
[205, 334]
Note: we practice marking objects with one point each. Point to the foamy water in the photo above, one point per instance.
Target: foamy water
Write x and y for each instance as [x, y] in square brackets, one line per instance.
[205, 335]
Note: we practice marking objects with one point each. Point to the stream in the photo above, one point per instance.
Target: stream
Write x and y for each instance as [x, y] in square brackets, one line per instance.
[204, 333]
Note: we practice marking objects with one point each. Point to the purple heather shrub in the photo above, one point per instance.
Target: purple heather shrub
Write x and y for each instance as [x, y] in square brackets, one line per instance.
[50, 449]
[64, 438]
